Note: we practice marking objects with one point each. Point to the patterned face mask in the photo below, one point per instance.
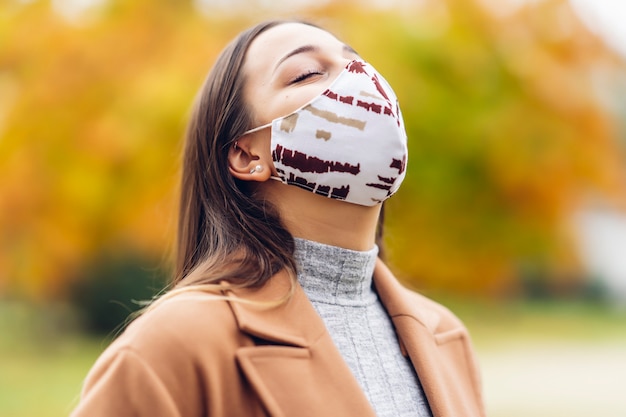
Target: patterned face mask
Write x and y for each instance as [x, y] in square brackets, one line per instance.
[348, 143]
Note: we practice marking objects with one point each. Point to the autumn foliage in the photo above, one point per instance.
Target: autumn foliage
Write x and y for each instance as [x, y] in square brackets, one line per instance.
[507, 134]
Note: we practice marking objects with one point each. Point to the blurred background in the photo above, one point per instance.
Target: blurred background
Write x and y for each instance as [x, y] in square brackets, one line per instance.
[513, 212]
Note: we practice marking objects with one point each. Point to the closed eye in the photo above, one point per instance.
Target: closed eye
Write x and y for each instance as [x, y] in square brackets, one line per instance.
[304, 76]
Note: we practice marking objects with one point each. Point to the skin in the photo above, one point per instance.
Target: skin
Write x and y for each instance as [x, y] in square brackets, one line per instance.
[286, 67]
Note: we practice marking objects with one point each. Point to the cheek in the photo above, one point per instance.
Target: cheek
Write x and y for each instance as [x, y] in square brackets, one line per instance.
[284, 106]
[283, 103]
[267, 151]
[266, 142]
[289, 103]
[298, 98]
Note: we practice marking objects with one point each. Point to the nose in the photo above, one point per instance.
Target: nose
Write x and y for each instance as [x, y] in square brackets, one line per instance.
[346, 60]
[342, 63]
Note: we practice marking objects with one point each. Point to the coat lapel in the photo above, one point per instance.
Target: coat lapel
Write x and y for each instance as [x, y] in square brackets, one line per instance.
[293, 366]
[438, 345]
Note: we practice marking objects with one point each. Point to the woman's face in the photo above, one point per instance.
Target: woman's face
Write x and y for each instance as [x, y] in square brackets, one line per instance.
[287, 66]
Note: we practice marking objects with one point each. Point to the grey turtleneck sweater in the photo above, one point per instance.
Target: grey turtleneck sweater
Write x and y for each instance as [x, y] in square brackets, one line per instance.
[338, 282]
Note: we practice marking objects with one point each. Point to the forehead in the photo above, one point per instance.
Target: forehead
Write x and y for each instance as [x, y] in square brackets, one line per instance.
[268, 47]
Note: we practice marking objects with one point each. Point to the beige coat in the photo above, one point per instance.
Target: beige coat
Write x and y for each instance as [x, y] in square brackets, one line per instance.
[197, 356]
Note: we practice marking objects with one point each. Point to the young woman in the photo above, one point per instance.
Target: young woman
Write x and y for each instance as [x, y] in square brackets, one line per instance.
[281, 306]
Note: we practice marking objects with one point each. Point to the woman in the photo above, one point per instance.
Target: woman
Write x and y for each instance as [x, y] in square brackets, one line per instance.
[281, 306]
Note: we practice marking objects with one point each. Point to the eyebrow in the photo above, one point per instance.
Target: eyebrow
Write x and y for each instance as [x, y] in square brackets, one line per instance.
[308, 48]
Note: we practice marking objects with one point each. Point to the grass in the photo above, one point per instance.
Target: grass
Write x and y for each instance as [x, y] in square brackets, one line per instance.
[495, 324]
[43, 359]
[44, 382]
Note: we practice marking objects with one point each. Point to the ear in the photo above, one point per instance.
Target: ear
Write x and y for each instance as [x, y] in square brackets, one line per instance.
[247, 162]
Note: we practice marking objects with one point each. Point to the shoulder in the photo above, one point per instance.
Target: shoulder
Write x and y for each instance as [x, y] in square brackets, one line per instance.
[186, 331]
[158, 365]
[181, 323]
[447, 319]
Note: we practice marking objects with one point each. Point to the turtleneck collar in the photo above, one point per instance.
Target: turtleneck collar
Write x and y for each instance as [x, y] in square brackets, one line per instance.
[334, 275]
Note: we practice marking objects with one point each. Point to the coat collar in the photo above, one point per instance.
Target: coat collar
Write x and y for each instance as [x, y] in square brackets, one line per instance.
[296, 323]
[401, 302]
[293, 323]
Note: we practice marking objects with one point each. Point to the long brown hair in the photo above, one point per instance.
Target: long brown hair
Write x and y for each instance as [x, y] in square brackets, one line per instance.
[224, 232]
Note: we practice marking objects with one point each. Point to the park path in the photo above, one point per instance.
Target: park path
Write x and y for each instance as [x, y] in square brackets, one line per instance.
[554, 379]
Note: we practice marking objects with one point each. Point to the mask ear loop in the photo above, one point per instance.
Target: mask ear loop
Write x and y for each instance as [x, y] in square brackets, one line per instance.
[256, 129]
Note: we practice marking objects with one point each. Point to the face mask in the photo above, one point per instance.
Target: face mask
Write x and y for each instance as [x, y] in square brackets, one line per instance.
[348, 143]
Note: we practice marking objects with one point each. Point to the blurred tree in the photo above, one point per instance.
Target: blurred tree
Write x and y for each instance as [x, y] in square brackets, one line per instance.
[115, 285]
[90, 143]
[507, 138]
[505, 131]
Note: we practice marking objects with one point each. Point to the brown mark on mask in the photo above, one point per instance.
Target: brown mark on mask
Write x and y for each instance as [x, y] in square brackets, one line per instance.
[322, 134]
[334, 118]
[288, 124]
[370, 95]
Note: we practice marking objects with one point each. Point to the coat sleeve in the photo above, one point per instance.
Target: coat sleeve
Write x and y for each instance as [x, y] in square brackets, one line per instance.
[123, 384]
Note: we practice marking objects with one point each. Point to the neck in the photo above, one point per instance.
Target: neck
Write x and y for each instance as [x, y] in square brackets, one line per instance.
[324, 220]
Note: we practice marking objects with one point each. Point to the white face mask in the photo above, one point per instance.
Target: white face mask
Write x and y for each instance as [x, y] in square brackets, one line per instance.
[348, 143]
